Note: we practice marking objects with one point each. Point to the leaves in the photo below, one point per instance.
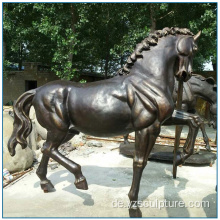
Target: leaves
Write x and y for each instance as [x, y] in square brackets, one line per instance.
[75, 38]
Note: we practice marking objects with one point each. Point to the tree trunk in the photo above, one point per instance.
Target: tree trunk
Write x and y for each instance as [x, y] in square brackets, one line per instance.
[152, 17]
[121, 61]
[4, 49]
[106, 64]
[5, 6]
[73, 22]
[20, 57]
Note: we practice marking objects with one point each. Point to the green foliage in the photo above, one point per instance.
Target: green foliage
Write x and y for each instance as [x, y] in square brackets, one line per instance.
[207, 23]
[82, 81]
[6, 65]
[97, 37]
[196, 16]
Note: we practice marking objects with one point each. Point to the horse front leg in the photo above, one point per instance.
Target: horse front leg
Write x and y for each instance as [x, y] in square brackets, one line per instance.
[144, 142]
[194, 123]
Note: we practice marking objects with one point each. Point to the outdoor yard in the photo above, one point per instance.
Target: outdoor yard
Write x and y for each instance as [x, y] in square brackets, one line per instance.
[109, 177]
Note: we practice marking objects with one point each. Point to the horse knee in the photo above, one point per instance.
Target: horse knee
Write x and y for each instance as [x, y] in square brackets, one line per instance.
[155, 129]
[139, 162]
[195, 121]
[189, 151]
[46, 149]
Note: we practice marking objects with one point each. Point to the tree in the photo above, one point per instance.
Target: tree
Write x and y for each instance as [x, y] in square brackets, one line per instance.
[75, 38]
[200, 16]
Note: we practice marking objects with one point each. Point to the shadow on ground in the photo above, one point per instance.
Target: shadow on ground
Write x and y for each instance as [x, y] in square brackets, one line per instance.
[119, 177]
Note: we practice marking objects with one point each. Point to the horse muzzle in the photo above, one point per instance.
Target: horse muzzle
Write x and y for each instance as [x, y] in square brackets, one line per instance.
[184, 69]
[183, 75]
[213, 122]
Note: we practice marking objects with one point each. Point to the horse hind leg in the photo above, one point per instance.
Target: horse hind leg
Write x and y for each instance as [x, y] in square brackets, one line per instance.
[41, 172]
[50, 149]
[46, 184]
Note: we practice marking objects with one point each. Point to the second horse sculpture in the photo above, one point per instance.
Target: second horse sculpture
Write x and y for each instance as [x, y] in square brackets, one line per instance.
[138, 99]
[204, 88]
[197, 87]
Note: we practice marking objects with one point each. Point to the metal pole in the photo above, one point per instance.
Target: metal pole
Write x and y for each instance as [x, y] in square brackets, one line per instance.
[178, 128]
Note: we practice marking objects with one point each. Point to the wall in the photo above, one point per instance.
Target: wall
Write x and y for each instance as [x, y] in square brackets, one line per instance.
[14, 85]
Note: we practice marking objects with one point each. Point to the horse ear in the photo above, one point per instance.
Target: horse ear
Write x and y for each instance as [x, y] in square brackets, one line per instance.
[197, 36]
[210, 80]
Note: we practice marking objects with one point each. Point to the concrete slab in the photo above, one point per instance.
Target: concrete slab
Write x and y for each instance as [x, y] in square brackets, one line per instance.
[109, 176]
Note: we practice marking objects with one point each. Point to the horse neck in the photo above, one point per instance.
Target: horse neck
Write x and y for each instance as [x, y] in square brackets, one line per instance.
[203, 90]
[157, 64]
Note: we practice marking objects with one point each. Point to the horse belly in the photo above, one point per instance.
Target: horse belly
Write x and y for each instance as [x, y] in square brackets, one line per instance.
[100, 115]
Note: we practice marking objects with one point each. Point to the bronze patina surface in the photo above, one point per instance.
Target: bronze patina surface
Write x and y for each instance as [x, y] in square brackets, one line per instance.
[138, 99]
[199, 87]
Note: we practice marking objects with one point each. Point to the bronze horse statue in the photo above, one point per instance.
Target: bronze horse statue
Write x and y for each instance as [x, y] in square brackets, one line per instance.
[200, 87]
[197, 87]
[138, 99]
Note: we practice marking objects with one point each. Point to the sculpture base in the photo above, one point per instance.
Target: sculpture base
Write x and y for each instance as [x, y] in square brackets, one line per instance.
[164, 153]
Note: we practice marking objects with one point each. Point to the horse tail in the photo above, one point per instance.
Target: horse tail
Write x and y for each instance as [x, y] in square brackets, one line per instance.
[22, 124]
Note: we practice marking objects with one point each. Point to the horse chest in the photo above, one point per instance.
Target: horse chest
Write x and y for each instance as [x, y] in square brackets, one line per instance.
[148, 104]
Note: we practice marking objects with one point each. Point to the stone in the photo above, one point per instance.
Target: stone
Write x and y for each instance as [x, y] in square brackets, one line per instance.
[42, 132]
[94, 144]
[37, 153]
[67, 147]
[78, 140]
[88, 152]
[38, 132]
[40, 144]
[53, 167]
[23, 158]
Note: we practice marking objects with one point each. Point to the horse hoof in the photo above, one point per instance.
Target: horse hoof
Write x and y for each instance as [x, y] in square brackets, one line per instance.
[47, 186]
[135, 213]
[81, 183]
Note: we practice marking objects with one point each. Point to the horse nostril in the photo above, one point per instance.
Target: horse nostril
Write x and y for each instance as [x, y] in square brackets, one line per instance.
[184, 74]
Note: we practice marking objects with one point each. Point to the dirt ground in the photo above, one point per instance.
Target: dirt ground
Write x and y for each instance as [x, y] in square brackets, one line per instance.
[109, 177]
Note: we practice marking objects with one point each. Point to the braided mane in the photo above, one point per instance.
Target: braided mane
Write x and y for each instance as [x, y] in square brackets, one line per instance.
[146, 44]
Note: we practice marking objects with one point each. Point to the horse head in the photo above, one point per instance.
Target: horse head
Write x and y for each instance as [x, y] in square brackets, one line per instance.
[213, 115]
[186, 47]
[213, 102]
